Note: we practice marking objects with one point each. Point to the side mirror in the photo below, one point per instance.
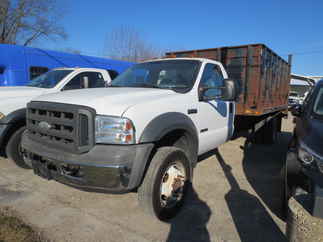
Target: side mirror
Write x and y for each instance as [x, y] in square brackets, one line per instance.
[228, 92]
[297, 110]
[2, 69]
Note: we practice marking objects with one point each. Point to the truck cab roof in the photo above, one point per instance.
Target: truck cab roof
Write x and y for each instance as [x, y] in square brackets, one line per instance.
[78, 68]
[185, 58]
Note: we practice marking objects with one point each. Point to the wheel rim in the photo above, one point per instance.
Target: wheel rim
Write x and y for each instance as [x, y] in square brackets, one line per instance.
[172, 185]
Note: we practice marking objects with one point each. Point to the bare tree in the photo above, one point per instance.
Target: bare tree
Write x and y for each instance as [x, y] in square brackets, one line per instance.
[127, 43]
[25, 21]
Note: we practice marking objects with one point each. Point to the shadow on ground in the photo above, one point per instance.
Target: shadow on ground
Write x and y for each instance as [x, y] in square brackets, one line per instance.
[251, 219]
[262, 166]
[190, 224]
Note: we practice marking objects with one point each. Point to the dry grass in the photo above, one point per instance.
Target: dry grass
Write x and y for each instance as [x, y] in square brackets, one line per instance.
[13, 229]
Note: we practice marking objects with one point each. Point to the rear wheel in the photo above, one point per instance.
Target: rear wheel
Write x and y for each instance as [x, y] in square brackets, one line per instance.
[268, 134]
[164, 187]
[271, 134]
[13, 148]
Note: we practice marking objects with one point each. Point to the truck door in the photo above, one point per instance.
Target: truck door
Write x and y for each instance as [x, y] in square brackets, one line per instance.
[215, 116]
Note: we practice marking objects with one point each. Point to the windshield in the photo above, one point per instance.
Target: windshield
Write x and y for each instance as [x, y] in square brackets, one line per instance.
[318, 103]
[177, 75]
[49, 79]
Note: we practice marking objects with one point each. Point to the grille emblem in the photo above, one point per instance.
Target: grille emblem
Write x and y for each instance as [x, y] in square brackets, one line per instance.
[44, 125]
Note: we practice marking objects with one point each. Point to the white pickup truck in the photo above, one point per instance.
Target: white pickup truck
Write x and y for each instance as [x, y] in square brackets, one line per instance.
[13, 101]
[144, 133]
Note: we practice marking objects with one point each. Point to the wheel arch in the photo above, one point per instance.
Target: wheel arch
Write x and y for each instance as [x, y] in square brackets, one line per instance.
[14, 121]
[170, 125]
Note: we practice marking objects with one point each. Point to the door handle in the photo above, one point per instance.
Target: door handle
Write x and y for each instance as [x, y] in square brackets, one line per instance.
[192, 111]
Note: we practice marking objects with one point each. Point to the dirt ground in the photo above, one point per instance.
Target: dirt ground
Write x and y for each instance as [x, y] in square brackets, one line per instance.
[13, 229]
[235, 197]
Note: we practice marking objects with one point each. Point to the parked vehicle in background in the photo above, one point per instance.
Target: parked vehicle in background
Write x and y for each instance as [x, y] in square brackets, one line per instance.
[145, 132]
[13, 101]
[19, 64]
[293, 98]
[303, 170]
[302, 98]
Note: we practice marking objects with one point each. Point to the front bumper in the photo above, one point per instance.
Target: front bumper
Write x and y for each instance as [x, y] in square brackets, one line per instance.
[316, 179]
[105, 168]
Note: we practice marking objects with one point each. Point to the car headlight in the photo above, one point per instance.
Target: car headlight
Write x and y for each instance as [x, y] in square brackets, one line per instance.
[305, 156]
[2, 115]
[114, 130]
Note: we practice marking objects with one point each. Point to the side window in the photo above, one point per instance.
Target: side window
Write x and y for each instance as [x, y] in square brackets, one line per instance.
[86, 80]
[74, 83]
[113, 74]
[212, 78]
[35, 71]
[2, 69]
[95, 79]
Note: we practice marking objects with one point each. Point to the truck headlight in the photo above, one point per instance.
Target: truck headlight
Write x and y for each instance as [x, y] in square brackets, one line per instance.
[1, 115]
[114, 130]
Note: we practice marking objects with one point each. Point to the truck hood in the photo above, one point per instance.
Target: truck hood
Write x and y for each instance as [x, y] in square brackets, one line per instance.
[14, 98]
[13, 92]
[108, 101]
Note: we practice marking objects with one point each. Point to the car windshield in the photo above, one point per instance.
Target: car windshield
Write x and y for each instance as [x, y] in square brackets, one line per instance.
[292, 94]
[49, 79]
[318, 104]
[177, 75]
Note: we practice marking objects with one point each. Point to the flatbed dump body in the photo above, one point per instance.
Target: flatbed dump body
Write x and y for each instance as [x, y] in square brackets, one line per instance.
[264, 76]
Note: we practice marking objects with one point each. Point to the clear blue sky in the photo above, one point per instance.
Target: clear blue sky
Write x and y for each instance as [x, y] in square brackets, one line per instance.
[286, 26]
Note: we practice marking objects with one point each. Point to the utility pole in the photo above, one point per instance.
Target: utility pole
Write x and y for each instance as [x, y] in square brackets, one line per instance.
[290, 58]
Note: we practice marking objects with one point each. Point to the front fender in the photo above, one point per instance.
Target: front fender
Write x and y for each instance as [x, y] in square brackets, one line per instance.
[14, 116]
[9, 124]
[168, 122]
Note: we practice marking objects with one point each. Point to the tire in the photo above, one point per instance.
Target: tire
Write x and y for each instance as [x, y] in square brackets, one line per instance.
[271, 132]
[151, 193]
[13, 149]
[259, 137]
[268, 134]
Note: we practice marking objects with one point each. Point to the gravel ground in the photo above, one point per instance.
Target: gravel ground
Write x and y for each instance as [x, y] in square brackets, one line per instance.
[235, 197]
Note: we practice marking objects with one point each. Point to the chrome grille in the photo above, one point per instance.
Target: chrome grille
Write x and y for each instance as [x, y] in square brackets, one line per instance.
[63, 126]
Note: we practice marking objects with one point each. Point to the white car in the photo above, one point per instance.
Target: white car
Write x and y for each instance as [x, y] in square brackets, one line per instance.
[13, 101]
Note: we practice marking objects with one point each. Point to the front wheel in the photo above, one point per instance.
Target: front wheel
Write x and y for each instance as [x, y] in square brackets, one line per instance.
[13, 149]
[164, 187]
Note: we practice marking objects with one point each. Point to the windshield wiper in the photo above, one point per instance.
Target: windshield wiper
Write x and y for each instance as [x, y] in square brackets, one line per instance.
[148, 85]
[143, 85]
